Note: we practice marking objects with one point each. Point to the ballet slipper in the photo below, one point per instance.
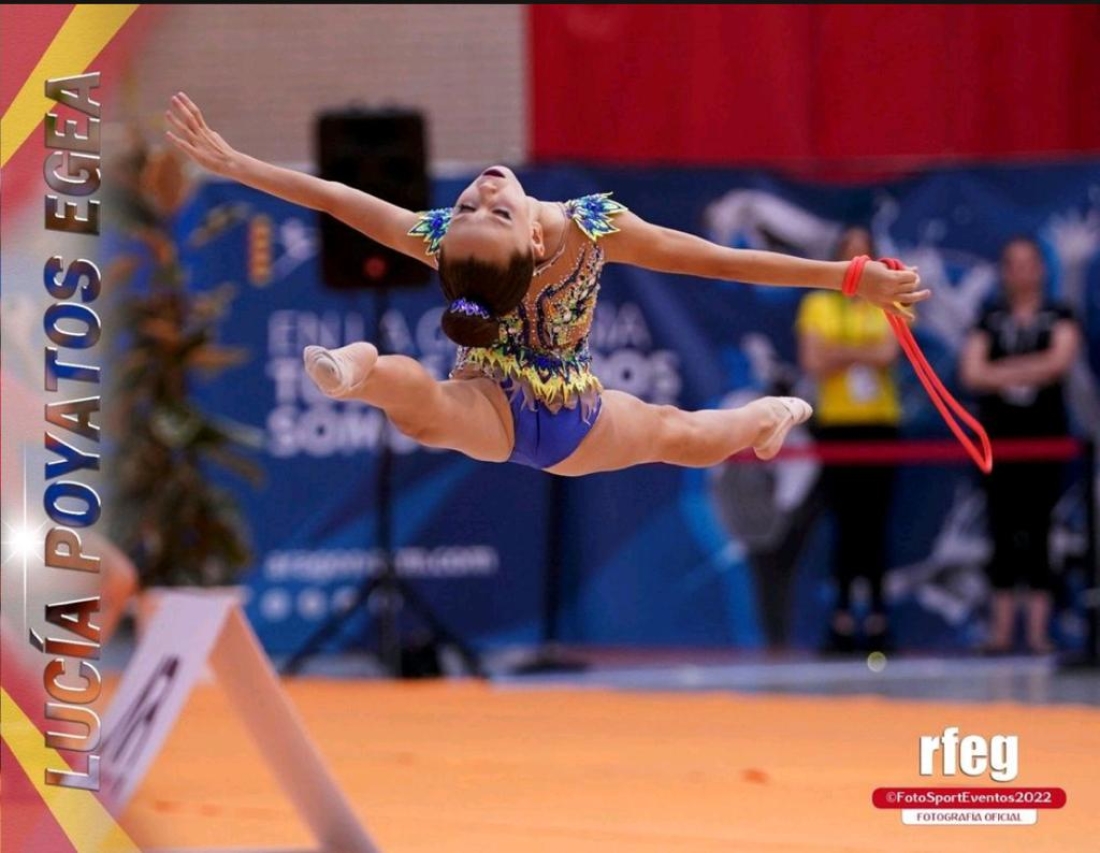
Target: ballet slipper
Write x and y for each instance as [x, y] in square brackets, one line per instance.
[338, 373]
[791, 412]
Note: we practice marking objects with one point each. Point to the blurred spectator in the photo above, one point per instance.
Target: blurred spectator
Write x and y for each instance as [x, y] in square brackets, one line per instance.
[847, 346]
[1016, 359]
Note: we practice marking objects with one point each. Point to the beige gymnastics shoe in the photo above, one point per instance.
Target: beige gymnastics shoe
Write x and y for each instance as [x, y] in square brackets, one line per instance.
[789, 412]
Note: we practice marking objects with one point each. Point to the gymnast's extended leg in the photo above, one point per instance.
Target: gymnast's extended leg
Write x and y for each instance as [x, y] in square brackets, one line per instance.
[629, 432]
[471, 416]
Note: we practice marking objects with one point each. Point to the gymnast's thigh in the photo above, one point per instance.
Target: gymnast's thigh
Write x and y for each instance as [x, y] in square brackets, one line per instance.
[627, 432]
[471, 416]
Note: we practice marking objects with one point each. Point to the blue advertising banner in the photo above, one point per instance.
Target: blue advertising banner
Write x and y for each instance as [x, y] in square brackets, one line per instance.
[731, 556]
[470, 537]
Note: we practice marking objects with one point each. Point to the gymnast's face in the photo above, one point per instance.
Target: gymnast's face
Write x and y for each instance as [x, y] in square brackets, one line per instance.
[493, 219]
[1022, 270]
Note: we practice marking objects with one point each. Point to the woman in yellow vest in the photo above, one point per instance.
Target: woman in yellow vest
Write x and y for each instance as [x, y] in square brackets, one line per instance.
[847, 346]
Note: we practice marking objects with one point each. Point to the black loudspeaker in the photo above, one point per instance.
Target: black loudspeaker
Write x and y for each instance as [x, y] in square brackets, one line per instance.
[382, 153]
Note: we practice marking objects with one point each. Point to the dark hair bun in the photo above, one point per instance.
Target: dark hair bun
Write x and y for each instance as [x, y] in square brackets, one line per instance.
[470, 330]
[479, 293]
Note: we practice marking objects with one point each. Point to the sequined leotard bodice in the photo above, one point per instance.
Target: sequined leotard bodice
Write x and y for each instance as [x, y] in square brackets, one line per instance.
[542, 351]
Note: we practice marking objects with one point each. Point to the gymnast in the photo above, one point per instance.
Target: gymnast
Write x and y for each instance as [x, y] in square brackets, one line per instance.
[521, 277]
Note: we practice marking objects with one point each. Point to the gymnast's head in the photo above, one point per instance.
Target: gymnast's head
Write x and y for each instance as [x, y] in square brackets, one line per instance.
[487, 257]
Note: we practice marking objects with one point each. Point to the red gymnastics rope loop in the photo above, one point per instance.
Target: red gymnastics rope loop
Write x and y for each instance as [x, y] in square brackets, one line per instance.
[941, 397]
[853, 274]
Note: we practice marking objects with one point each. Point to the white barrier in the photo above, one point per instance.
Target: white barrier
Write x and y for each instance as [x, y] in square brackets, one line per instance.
[188, 631]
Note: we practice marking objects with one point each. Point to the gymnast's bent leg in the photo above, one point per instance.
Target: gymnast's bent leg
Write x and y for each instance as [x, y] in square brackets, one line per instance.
[471, 416]
[629, 432]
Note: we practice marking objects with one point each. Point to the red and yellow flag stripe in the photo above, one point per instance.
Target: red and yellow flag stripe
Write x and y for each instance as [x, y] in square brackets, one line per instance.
[87, 824]
[38, 43]
[81, 38]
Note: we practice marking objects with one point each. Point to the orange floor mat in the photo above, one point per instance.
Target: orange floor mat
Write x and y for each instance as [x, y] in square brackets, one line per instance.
[464, 767]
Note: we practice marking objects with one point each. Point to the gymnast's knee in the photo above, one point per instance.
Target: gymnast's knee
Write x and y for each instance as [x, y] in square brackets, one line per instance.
[426, 431]
[671, 431]
[682, 439]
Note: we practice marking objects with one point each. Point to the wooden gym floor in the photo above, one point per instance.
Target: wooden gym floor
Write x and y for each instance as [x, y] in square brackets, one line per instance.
[467, 767]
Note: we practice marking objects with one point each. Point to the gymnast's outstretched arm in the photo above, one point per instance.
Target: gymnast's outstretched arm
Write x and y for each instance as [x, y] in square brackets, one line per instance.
[387, 223]
[663, 249]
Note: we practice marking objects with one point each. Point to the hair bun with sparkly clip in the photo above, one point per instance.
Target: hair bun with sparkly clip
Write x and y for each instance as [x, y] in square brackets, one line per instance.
[470, 324]
[469, 308]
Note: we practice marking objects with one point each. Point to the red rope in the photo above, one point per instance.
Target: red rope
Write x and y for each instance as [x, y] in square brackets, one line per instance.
[947, 405]
[853, 274]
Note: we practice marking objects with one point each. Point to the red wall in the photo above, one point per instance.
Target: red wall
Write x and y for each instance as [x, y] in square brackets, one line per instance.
[816, 89]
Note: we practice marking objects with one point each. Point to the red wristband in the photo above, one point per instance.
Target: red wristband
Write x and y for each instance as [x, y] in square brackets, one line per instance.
[853, 274]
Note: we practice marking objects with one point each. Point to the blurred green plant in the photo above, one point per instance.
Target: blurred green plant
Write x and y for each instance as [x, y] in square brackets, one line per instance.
[179, 527]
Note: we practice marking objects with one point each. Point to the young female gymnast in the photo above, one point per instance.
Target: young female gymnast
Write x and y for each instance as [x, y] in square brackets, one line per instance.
[521, 277]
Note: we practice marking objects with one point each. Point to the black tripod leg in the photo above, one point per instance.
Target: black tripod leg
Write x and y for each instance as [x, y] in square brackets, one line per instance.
[473, 663]
[328, 629]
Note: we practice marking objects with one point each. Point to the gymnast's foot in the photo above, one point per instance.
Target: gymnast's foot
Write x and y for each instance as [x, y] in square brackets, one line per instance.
[778, 416]
[340, 372]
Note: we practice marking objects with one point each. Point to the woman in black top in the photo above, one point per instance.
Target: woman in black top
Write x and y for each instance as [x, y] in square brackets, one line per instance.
[1017, 359]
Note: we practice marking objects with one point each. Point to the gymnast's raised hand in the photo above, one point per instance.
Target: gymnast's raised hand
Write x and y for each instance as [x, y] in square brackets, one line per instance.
[520, 279]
